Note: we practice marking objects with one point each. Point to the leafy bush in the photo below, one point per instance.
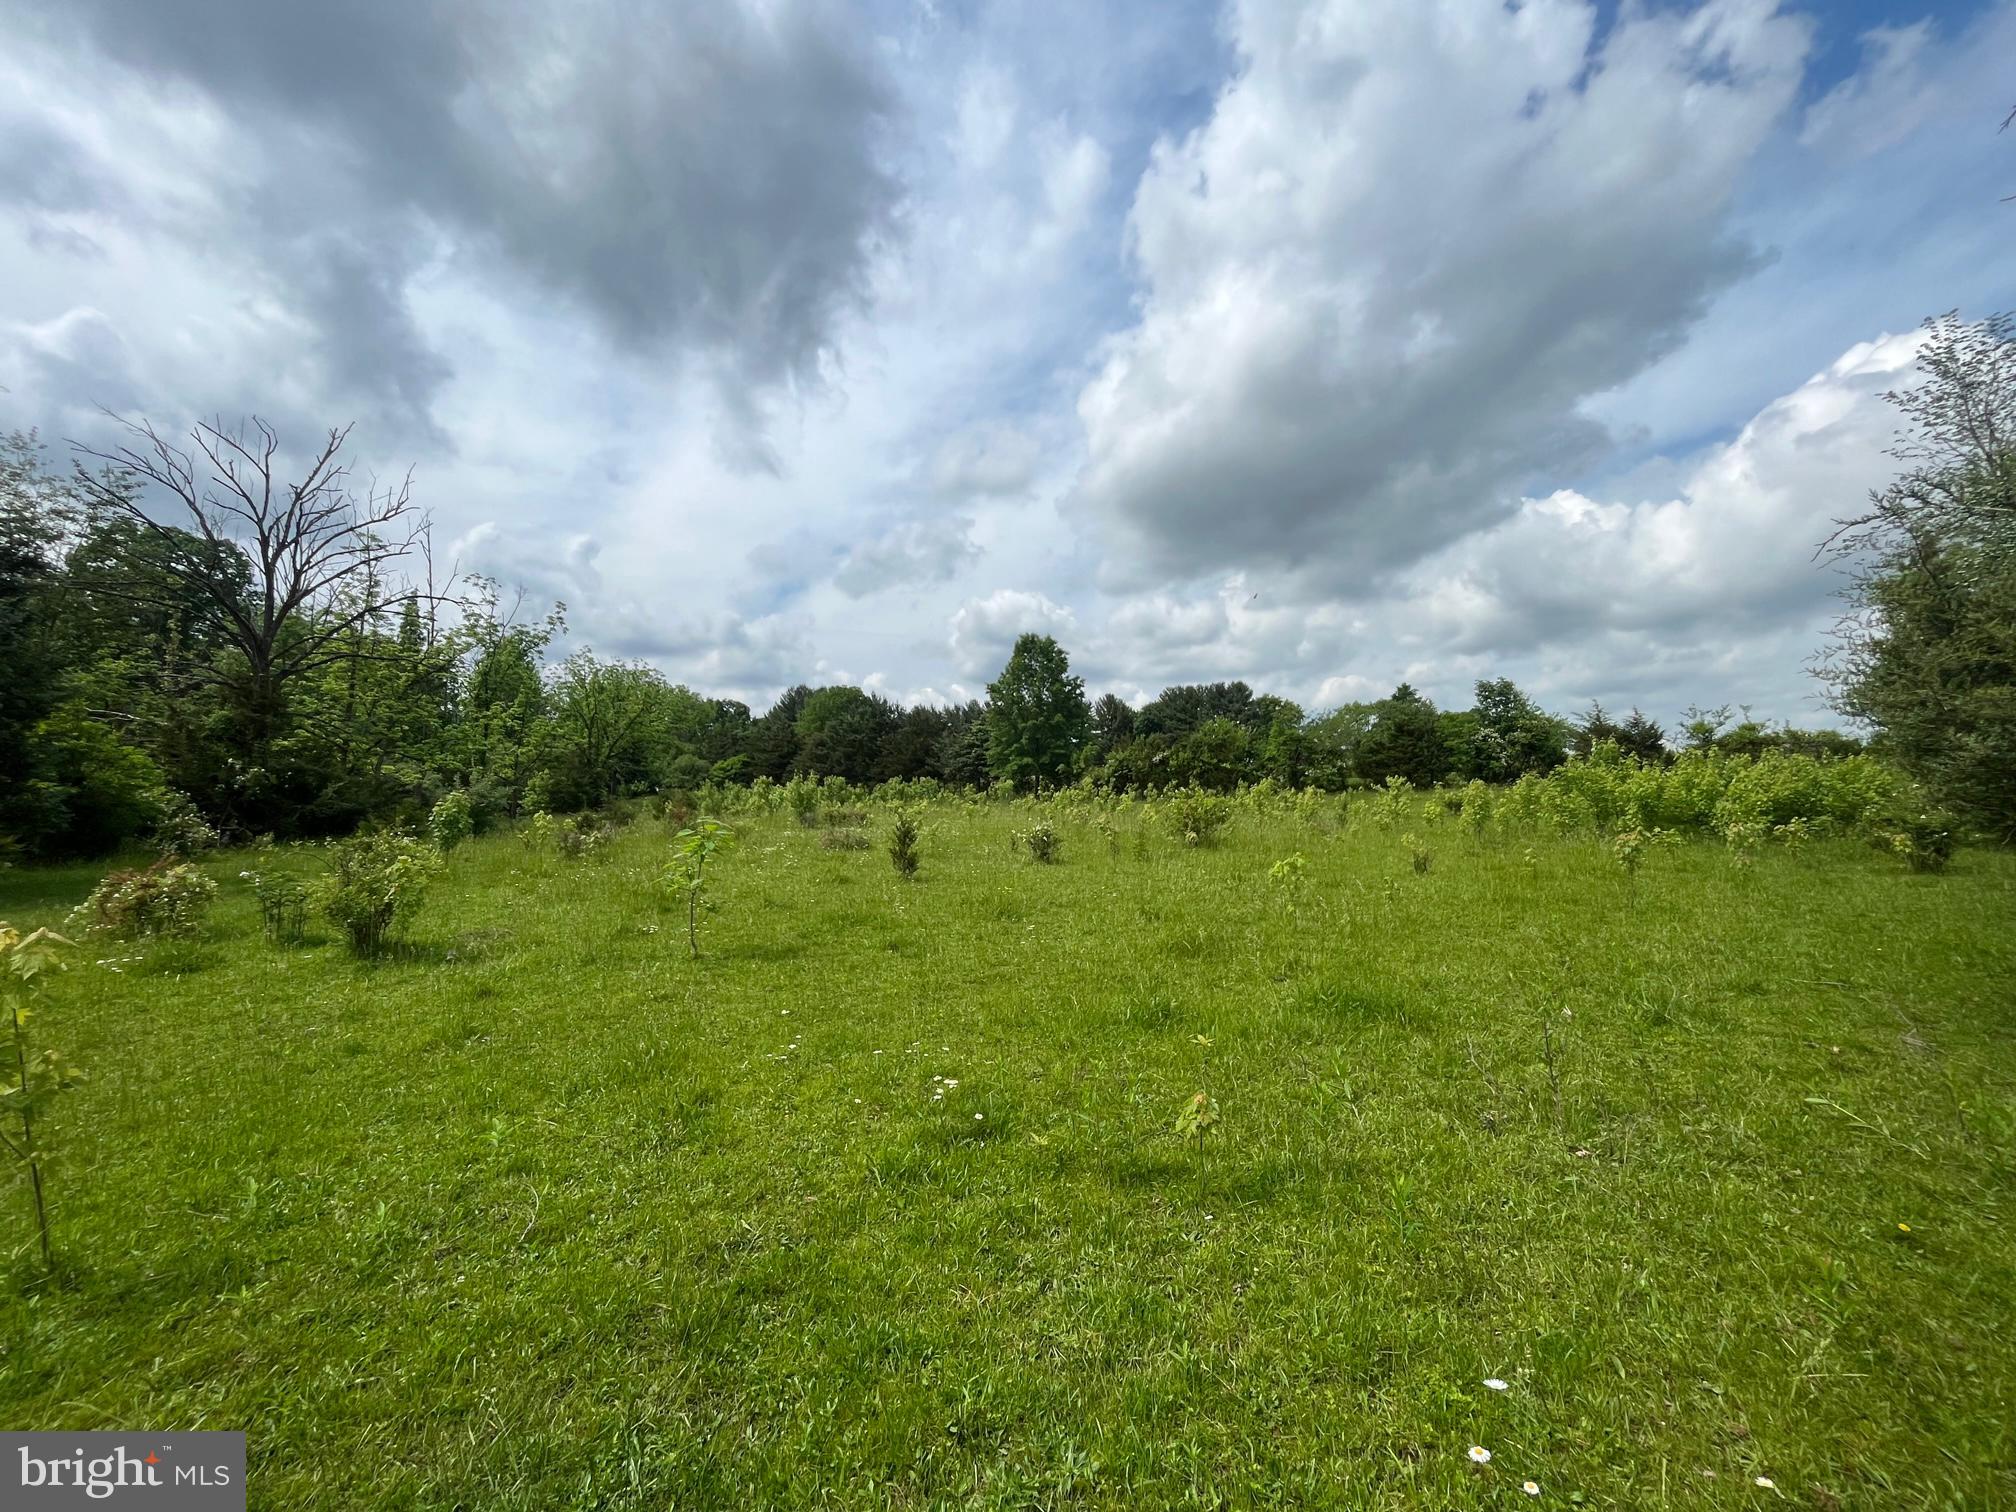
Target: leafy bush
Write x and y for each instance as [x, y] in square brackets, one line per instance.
[1629, 849]
[1476, 808]
[1417, 852]
[1917, 830]
[1291, 876]
[1707, 792]
[451, 821]
[1390, 808]
[903, 835]
[181, 832]
[1197, 816]
[375, 884]
[167, 898]
[1743, 836]
[679, 809]
[283, 902]
[539, 794]
[85, 791]
[1041, 841]
[803, 797]
[581, 838]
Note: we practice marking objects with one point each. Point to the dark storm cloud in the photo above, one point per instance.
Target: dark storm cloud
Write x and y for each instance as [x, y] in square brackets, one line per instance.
[701, 177]
[352, 291]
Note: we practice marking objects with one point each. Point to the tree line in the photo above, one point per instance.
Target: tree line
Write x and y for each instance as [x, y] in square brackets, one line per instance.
[183, 627]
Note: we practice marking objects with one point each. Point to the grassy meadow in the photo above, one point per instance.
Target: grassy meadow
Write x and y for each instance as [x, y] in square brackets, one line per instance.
[881, 1203]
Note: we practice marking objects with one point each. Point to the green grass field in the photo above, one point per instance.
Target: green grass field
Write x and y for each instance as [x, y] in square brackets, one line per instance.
[540, 1214]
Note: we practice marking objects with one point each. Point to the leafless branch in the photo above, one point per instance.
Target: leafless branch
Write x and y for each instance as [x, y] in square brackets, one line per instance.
[283, 571]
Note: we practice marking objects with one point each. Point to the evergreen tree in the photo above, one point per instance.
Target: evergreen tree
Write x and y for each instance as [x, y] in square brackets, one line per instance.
[1642, 737]
[911, 748]
[1112, 725]
[962, 750]
[773, 739]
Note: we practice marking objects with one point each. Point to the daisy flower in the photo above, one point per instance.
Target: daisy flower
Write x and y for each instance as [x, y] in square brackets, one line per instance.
[1767, 1483]
[1479, 1455]
[1531, 1488]
[1497, 1385]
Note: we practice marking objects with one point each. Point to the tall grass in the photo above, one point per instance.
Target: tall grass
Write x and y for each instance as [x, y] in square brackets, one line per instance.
[535, 1212]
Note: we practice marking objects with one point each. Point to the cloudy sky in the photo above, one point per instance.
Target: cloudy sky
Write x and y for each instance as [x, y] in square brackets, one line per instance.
[1321, 344]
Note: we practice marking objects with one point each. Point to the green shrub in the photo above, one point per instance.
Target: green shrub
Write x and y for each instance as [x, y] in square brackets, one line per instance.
[1196, 816]
[167, 898]
[181, 832]
[802, 795]
[1390, 809]
[1475, 807]
[1707, 792]
[1041, 841]
[451, 821]
[375, 884]
[283, 901]
[1419, 854]
[1918, 831]
[86, 791]
[581, 838]
[540, 792]
[903, 835]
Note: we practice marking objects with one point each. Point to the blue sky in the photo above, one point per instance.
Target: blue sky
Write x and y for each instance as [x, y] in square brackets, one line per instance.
[1319, 344]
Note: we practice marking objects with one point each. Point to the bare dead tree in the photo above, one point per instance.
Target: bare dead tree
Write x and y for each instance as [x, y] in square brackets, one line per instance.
[284, 572]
